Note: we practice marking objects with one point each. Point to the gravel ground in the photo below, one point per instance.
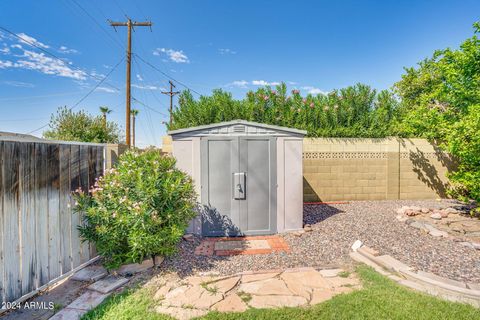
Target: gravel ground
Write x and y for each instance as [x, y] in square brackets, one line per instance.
[335, 228]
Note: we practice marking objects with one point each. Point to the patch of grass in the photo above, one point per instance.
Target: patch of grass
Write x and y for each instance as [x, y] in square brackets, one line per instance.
[132, 304]
[57, 307]
[344, 274]
[245, 296]
[212, 289]
[380, 298]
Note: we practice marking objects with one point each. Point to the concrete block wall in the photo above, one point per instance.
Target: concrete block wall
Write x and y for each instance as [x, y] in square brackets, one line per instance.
[337, 169]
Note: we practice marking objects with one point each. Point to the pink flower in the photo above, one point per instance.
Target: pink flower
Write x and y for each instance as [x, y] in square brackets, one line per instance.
[312, 105]
[265, 98]
[274, 92]
[295, 91]
[304, 101]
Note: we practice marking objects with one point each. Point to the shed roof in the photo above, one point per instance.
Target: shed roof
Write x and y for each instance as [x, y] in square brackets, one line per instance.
[228, 127]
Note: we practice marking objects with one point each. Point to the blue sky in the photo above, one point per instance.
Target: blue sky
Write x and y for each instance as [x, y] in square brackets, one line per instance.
[314, 46]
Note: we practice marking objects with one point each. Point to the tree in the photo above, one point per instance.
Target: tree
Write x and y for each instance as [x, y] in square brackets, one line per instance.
[354, 111]
[68, 125]
[440, 101]
[133, 113]
[105, 110]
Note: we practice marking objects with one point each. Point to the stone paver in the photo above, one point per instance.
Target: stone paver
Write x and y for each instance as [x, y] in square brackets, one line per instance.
[319, 296]
[89, 300]
[196, 295]
[232, 303]
[265, 287]
[68, 314]
[132, 268]
[277, 301]
[181, 313]
[327, 273]
[108, 284]
[90, 273]
[242, 245]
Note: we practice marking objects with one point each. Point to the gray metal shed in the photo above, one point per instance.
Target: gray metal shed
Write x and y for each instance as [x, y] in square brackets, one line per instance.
[248, 176]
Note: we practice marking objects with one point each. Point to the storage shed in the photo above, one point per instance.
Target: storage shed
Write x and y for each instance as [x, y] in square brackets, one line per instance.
[248, 177]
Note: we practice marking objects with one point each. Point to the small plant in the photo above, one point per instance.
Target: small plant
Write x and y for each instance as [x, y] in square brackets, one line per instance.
[245, 296]
[138, 210]
[206, 285]
[57, 307]
[344, 274]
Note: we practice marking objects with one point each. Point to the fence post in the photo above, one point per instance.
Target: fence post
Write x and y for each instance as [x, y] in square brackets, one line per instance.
[393, 169]
[112, 152]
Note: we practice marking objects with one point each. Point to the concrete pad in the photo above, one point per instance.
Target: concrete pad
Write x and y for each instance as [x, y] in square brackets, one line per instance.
[321, 295]
[69, 314]
[108, 284]
[265, 287]
[330, 272]
[473, 286]
[257, 277]
[90, 273]
[276, 301]
[87, 301]
[391, 263]
[180, 313]
[231, 303]
[442, 279]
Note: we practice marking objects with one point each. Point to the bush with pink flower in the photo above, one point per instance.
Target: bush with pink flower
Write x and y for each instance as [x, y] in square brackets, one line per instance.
[137, 210]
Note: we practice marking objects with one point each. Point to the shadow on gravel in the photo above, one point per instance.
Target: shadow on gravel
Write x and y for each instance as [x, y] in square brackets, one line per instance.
[315, 213]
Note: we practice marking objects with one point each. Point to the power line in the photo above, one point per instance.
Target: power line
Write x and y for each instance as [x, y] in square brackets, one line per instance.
[98, 24]
[86, 95]
[166, 74]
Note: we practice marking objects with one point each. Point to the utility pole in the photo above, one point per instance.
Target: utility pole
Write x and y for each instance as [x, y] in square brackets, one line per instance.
[129, 24]
[171, 93]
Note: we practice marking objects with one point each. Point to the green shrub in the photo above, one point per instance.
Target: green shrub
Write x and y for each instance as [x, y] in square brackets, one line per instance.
[137, 210]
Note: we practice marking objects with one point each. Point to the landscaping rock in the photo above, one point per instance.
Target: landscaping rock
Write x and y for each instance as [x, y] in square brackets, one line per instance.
[307, 228]
[133, 268]
[436, 216]
[435, 232]
[444, 214]
[451, 210]
[108, 284]
[276, 301]
[232, 303]
[188, 237]
[425, 210]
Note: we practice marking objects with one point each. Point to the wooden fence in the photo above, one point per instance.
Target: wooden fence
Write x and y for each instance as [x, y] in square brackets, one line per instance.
[39, 240]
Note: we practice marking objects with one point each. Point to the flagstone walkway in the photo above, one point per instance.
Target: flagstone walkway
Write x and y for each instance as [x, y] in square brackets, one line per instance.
[197, 295]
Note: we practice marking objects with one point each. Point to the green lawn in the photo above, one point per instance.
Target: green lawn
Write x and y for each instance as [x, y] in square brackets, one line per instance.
[380, 298]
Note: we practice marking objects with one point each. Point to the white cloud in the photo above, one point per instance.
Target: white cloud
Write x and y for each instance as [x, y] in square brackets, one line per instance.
[139, 77]
[264, 83]
[105, 89]
[6, 64]
[19, 84]
[314, 91]
[5, 50]
[40, 62]
[227, 51]
[66, 50]
[238, 83]
[146, 87]
[31, 41]
[177, 56]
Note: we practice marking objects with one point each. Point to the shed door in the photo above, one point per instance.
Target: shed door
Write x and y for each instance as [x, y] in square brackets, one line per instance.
[239, 186]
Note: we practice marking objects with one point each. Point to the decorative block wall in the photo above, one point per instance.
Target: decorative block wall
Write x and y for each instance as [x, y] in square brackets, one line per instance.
[337, 169]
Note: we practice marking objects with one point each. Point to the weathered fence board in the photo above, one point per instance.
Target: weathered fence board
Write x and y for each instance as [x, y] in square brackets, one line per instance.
[39, 240]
